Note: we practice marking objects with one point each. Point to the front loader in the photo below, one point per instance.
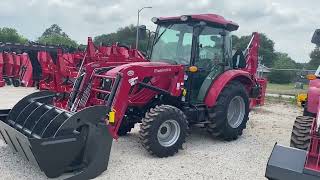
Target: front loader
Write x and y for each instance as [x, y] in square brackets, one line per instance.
[192, 78]
[301, 161]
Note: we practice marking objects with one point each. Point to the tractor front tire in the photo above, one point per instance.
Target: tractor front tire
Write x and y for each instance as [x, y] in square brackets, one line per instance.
[300, 136]
[229, 116]
[163, 130]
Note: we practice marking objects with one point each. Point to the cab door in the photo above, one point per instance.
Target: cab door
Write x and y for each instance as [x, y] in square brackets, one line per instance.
[209, 60]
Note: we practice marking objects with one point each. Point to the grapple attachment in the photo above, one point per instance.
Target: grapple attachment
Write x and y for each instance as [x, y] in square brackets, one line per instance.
[55, 140]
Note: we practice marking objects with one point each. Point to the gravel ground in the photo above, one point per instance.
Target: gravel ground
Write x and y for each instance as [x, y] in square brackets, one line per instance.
[202, 158]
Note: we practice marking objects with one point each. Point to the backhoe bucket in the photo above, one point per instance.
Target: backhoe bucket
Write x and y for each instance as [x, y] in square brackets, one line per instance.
[55, 140]
[286, 163]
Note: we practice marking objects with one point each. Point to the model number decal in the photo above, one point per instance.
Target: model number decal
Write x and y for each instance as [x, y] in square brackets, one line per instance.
[162, 70]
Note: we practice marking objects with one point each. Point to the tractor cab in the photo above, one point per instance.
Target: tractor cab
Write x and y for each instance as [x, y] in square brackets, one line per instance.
[200, 42]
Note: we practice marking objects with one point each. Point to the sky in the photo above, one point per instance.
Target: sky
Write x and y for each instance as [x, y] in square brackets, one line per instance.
[289, 23]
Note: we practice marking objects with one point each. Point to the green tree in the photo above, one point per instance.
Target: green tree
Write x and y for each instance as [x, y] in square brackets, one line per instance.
[125, 36]
[266, 47]
[54, 29]
[10, 35]
[55, 36]
[279, 75]
[314, 59]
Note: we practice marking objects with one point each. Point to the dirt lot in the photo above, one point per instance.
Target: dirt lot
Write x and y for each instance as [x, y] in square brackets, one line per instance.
[202, 158]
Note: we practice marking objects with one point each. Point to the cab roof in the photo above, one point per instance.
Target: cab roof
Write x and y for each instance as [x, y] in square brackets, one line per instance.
[209, 18]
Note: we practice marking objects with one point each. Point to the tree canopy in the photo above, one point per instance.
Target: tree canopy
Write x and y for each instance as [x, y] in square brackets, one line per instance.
[55, 36]
[125, 35]
[10, 35]
[279, 74]
[314, 59]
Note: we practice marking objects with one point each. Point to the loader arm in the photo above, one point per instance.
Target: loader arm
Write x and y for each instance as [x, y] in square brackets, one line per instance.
[130, 88]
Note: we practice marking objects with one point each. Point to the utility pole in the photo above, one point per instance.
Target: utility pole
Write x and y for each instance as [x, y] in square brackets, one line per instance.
[138, 22]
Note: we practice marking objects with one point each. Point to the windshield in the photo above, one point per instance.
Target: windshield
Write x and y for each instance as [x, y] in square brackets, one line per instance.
[173, 44]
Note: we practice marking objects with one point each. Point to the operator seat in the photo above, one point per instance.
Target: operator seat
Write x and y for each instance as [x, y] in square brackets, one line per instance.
[238, 60]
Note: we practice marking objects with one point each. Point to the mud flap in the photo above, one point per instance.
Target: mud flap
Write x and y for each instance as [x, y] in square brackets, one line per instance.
[286, 163]
[55, 140]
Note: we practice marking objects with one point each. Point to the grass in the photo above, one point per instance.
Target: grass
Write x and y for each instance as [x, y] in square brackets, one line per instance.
[280, 99]
[285, 89]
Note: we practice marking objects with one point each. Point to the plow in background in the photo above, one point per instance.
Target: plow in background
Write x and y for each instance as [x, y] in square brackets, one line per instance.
[55, 68]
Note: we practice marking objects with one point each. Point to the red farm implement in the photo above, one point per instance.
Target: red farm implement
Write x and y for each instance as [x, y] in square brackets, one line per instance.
[59, 74]
[16, 81]
[8, 67]
[192, 78]
[2, 82]
[20, 63]
[301, 161]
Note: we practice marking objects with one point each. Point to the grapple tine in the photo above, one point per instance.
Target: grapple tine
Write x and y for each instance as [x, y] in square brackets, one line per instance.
[55, 140]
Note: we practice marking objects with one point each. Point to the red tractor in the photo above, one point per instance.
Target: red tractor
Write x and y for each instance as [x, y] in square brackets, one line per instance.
[192, 79]
[302, 160]
[311, 105]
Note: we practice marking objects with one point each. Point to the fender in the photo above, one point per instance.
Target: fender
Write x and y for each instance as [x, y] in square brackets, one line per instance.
[222, 80]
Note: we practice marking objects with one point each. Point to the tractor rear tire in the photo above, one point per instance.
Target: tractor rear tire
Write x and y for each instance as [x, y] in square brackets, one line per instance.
[300, 136]
[163, 130]
[235, 96]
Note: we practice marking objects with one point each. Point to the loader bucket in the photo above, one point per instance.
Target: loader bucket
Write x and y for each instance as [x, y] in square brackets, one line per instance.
[286, 163]
[55, 140]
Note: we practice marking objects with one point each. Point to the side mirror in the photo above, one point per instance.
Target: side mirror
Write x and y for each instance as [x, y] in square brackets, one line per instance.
[238, 60]
[316, 37]
[142, 32]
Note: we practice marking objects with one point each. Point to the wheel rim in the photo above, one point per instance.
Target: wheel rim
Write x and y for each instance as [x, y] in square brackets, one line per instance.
[236, 112]
[168, 133]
